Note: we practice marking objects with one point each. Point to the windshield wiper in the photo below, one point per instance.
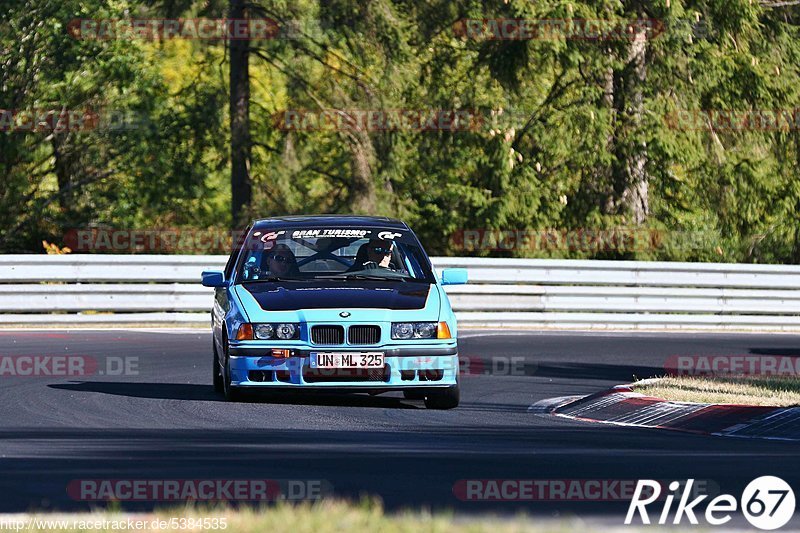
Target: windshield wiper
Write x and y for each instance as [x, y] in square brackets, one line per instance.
[362, 275]
[271, 278]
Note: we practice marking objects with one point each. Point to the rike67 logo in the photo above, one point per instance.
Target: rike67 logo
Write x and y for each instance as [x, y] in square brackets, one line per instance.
[767, 503]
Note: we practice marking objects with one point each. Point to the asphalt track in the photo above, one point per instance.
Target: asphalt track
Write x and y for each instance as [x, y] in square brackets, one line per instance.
[163, 421]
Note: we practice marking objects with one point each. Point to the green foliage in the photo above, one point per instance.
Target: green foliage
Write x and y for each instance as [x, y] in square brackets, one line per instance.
[567, 125]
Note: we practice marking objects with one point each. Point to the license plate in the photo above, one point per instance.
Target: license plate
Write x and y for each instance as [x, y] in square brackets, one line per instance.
[347, 360]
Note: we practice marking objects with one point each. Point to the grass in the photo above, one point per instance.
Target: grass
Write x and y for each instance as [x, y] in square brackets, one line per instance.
[323, 516]
[774, 391]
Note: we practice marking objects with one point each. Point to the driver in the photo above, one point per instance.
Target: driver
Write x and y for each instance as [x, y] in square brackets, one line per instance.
[378, 255]
[379, 252]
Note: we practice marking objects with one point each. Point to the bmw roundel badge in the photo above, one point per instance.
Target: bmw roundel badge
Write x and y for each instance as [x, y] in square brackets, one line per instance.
[344, 314]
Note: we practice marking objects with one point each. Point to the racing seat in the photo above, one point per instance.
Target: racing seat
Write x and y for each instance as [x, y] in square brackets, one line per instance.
[361, 258]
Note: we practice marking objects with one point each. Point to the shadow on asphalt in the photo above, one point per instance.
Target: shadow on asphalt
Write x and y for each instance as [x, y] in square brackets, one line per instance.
[606, 372]
[190, 392]
[413, 468]
[789, 352]
[156, 391]
[476, 365]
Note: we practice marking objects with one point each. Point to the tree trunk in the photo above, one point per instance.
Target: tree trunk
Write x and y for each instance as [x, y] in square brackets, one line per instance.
[62, 168]
[241, 186]
[634, 197]
[363, 196]
[628, 192]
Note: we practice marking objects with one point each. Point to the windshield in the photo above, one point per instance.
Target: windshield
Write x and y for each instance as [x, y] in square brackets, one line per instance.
[333, 253]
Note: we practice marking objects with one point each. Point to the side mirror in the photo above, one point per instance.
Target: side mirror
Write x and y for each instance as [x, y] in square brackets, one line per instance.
[454, 276]
[214, 278]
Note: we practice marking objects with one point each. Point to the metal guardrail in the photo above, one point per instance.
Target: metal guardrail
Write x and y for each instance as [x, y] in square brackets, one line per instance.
[502, 292]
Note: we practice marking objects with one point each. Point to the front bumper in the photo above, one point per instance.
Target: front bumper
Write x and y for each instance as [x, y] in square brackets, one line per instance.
[407, 367]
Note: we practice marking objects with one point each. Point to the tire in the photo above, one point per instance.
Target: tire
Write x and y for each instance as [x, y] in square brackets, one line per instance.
[219, 383]
[444, 398]
[232, 394]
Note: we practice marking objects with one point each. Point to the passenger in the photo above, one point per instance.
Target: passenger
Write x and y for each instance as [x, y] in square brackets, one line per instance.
[281, 262]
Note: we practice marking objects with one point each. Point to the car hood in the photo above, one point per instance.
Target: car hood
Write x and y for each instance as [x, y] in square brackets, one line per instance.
[362, 299]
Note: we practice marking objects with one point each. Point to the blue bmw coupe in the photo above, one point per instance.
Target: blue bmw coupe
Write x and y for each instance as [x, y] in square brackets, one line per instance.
[345, 303]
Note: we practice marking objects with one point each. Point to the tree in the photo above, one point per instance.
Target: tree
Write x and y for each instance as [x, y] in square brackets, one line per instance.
[241, 187]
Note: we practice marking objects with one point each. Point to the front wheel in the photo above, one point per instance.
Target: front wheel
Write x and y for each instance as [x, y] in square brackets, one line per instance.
[219, 383]
[443, 398]
[232, 394]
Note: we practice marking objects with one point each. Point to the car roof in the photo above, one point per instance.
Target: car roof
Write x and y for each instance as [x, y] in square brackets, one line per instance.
[314, 221]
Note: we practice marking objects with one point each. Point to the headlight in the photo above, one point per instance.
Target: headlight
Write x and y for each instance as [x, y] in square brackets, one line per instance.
[265, 331]
[414, 330]
[402, 330]
[286, 331]
[425, 330]
[282, 332]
